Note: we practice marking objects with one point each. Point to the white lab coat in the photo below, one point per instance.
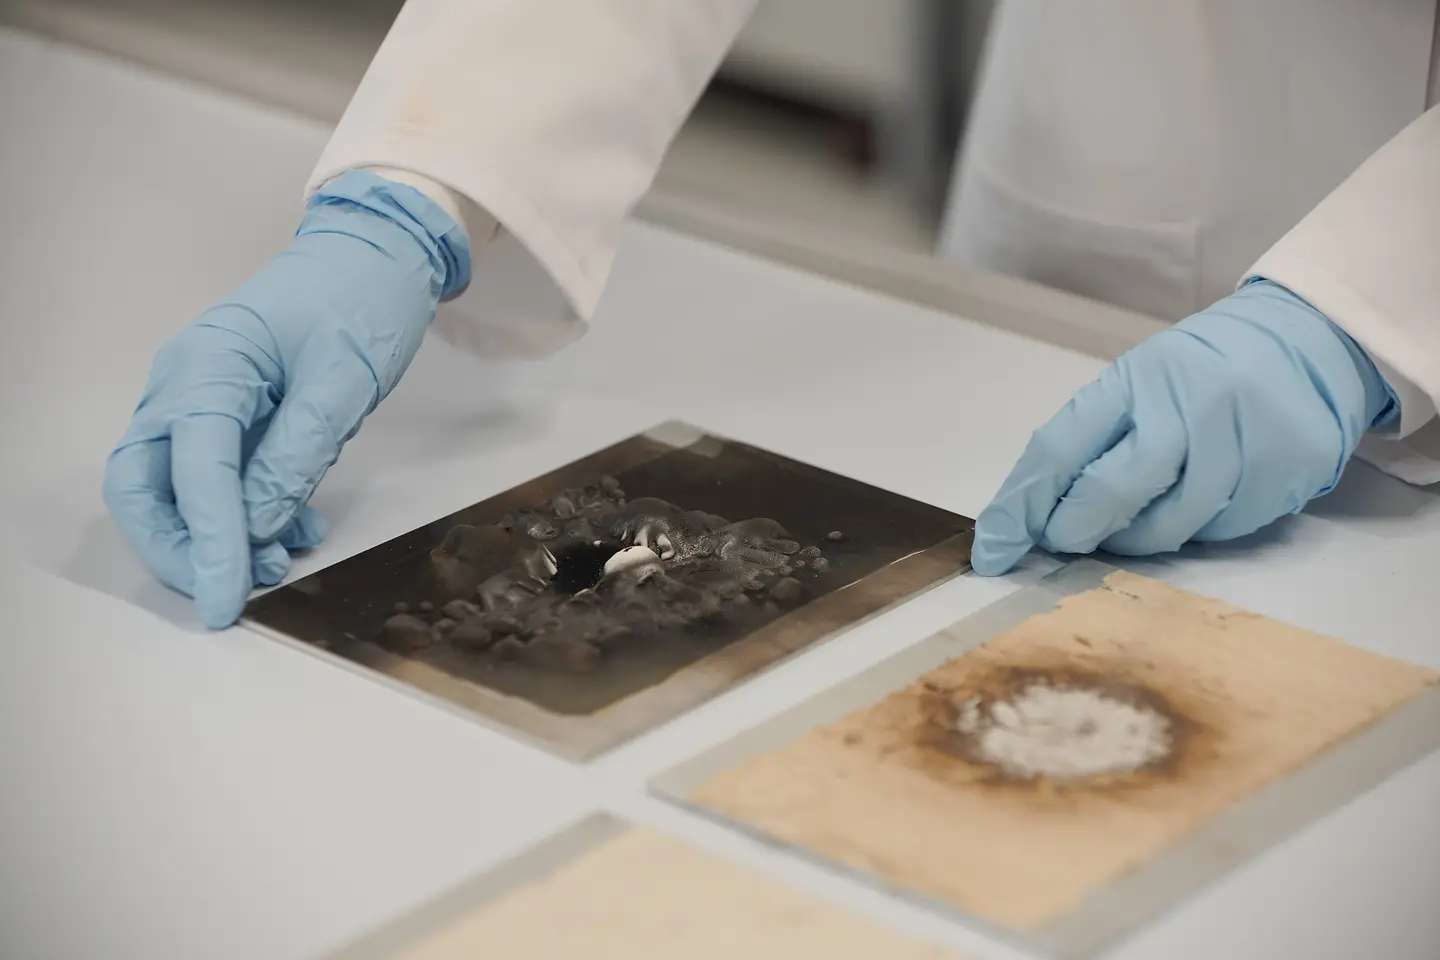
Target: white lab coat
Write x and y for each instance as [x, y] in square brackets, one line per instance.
[1148, 154]
[552, 118]
[540, 127]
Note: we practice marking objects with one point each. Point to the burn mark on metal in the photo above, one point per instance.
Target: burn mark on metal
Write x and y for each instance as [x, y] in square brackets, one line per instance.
[514, 604]
[543, 578]
[943, 751]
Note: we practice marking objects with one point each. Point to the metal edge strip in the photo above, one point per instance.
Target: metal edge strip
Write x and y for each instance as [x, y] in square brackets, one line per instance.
[1109, 915]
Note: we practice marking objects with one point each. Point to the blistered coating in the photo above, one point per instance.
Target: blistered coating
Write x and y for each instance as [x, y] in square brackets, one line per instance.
[557, 586]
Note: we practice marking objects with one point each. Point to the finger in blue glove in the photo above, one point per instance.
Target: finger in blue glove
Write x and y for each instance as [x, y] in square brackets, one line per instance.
[246, 408]
[1207, 431]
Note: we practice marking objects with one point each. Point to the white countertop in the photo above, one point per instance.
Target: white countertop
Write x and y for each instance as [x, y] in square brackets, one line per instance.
[173, 793]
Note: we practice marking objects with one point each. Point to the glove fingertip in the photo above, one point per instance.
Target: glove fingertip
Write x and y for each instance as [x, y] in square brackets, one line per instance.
[218, 612]
[989, 564]
[993, 554]
[220, 595]
[1002, 536]
[270, 565]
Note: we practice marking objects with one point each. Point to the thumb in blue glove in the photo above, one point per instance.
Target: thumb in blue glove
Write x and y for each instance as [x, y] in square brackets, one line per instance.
[248, 407]
[1207, 431]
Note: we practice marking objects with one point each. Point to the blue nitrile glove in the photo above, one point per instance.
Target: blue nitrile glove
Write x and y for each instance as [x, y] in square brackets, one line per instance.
[1208, 430]
[247, 407]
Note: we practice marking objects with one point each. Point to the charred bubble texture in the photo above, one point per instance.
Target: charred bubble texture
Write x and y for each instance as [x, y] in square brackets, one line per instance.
[534, 589]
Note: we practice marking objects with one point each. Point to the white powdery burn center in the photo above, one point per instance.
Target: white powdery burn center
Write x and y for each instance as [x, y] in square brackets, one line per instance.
[1065, 733]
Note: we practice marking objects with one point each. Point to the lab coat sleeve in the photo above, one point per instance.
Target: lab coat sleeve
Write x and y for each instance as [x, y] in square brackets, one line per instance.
[544, 123]
[1368, 257]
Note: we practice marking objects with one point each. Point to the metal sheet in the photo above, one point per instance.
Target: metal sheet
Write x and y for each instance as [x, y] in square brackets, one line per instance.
[893, 548]
[1263, 819]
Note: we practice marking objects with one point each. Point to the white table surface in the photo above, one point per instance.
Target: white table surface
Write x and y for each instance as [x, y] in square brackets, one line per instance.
[173, 793]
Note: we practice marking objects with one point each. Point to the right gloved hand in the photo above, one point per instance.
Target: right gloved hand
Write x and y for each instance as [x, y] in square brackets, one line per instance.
[1209, 430]
[247, 407]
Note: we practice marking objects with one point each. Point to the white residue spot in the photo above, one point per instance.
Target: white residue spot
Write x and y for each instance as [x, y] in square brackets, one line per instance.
[1065, 733]
[647, 537]
[630, 558]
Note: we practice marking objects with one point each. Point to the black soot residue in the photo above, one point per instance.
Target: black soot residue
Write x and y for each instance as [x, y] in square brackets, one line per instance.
[591, 571]
[574, 593]
[587, 577]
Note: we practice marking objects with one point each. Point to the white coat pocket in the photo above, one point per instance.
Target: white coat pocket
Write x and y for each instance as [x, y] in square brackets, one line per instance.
[1149, 267]
[1094, 150]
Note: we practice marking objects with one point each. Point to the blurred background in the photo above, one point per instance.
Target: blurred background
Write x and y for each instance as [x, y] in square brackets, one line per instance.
[831, 118]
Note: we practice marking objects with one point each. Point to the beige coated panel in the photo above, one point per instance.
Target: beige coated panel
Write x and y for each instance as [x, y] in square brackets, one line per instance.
[897, 790]
[647, 896]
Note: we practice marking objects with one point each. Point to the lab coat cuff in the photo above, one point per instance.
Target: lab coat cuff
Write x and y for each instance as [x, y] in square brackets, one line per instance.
[442, 236]
[477, 223]
[1402, 364]
[581, 283]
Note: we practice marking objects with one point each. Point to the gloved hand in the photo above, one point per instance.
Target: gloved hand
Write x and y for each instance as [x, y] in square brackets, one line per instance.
[1207, 431]
[247, 407]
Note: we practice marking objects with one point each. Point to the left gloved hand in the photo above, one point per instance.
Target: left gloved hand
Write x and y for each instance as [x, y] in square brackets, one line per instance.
[248, 406]
[1206, 431]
